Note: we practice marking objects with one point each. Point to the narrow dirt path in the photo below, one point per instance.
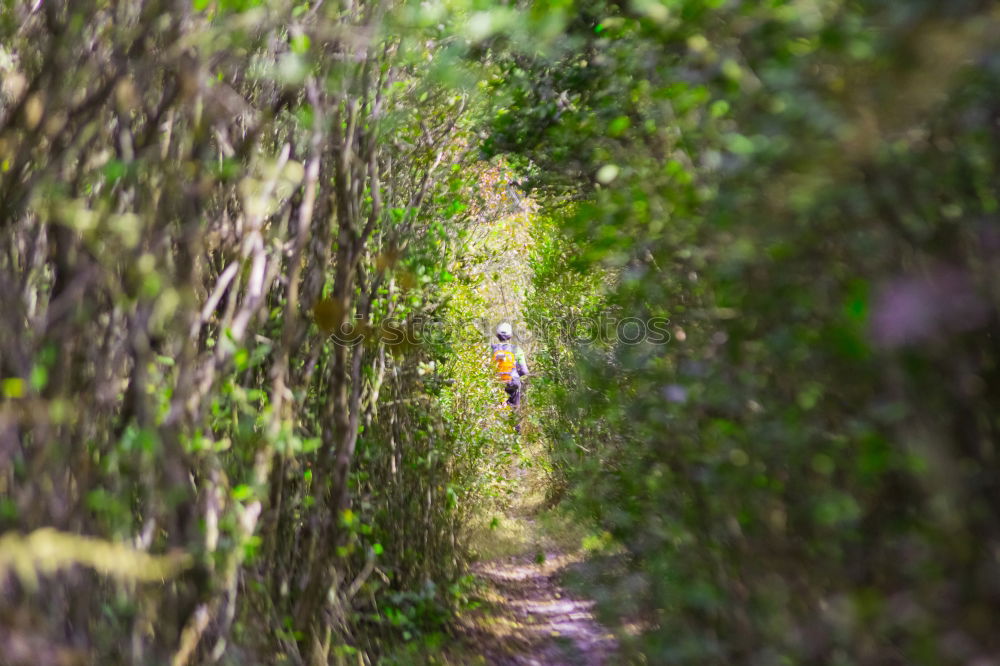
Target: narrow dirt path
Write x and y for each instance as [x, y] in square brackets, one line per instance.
[545, 625]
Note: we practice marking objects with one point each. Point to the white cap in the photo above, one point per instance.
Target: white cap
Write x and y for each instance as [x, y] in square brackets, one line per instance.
[505, 329]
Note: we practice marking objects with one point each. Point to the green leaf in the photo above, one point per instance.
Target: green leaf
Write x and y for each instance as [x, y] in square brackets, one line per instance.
[242, 492]
[719, 108]
[619, 125]
[115, 170]
[39, 378]
[300, 44]
[241, 359]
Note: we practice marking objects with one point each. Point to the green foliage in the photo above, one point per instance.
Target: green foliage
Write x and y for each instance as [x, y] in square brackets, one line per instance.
[802, 192]
[197, 201]
[249, 256]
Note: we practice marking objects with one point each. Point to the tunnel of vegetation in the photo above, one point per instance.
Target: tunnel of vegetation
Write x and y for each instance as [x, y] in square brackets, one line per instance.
[246, 248]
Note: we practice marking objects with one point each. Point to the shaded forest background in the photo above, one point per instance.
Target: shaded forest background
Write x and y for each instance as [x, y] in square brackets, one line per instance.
[244, 248]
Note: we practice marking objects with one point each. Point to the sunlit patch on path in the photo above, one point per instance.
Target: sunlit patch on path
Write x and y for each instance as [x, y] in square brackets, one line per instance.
[543, 625]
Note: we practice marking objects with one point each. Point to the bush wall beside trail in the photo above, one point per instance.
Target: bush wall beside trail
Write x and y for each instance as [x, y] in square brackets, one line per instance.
[805, 473]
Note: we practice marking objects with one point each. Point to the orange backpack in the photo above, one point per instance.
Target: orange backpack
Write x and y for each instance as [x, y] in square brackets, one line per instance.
[505, 362]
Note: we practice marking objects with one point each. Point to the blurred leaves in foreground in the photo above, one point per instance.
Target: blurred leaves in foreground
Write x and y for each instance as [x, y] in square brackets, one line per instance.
[47, 551]
[806, 472]
[197, 197]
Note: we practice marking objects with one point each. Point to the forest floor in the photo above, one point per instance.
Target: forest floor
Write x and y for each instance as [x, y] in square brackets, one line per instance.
[536, 584]
[534, 620]
[529, 618]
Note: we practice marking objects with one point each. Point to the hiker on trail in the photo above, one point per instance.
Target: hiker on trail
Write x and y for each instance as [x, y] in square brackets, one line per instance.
[510, 364]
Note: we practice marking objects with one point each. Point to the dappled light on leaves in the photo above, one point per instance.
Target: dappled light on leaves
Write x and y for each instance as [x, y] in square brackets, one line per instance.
[253, 254]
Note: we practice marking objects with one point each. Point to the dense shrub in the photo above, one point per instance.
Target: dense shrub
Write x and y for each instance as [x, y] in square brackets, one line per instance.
[805, 472]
